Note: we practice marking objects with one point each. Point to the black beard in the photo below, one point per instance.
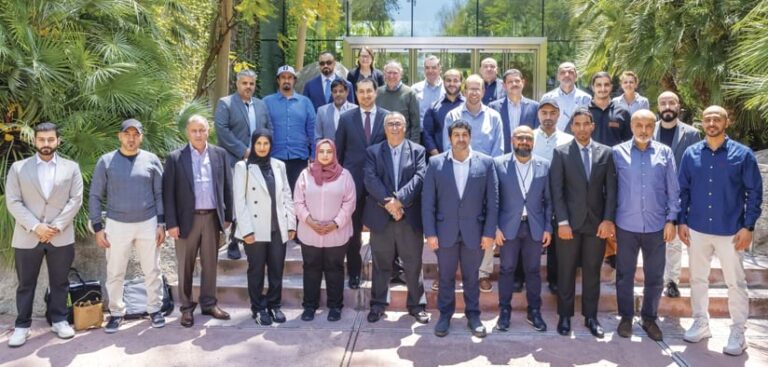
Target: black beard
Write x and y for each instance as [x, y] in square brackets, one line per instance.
[674, 115]
[51, 151]
[522, 152]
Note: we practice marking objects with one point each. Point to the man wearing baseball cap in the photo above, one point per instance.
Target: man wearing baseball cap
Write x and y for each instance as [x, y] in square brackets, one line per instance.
[127, 183]
[293, 123]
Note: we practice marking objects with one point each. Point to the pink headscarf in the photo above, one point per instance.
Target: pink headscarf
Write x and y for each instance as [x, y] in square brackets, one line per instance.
[325, 173]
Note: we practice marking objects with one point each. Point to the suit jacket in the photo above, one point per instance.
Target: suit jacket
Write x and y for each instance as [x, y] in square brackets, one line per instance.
[685, 136]
[351, 144]
[472, 216]
[380, 184]
[179, 188]
[584, 204]
[325, 128]
[314, 90]
[253, 204]
[26, 203]
[538, 202]
[529, 116]
[232, 128]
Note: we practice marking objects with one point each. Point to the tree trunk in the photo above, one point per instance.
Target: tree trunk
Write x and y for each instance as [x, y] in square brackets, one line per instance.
[301, 44]
[221, 87]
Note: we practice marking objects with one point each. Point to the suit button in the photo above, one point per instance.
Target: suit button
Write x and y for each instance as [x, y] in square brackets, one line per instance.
[255, 215]
[255, 202]
[253, 188]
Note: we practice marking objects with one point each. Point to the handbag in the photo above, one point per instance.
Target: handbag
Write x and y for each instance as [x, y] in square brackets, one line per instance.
[79, 291]
[88, 314]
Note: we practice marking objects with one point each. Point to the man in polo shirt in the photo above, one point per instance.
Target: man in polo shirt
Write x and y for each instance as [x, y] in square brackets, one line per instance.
[568, 97]
[128, 182]
[493, 87]
[434, 117]
[630, 100]
[611, 120]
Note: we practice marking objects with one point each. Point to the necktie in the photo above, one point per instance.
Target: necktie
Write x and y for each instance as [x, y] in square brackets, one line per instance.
[396, 164]
[327, 90]
[367, 127]
[585, 161]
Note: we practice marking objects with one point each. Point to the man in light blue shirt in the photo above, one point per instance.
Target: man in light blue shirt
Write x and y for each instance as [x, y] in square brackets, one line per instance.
[630, 100]
[487, 137]
[567, 95]
[648, 205]
[430, 89]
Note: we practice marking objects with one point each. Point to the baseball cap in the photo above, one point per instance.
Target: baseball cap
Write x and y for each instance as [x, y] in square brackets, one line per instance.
[132, 123]
[549, 101]
[286, 69]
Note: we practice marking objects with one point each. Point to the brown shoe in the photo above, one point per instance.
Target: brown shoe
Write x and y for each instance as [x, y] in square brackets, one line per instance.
[485, 285]
[216, 313]
[435, 286]
[187, 320]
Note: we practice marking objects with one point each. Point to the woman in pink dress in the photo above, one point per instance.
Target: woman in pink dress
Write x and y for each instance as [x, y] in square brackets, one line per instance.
[324, 199]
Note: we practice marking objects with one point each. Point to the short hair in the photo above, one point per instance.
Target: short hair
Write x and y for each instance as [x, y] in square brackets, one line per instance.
[598, 75]
[366, 80]
[397, 115]
[513, 72]
[489, 59]
[339, 82]
[47, 126]
[453, 71]
[432, 58]
[246, 73]
[460, 124]
[370, 52]
[581, 111]
[475, 78]
[327, 53]
[566, 64]
[628, 73]
[197, 118]
[395, 64]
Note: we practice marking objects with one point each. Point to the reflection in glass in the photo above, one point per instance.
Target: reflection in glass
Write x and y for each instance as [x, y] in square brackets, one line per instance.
[380, 17]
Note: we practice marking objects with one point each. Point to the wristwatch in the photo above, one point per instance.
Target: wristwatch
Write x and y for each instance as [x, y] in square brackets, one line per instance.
[750, 228]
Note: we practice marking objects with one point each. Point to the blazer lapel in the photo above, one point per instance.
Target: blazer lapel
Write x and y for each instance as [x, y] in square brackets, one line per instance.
[241, 107]
[31, 171]
[378, 126]
[186, 166]
[450, 176]
[575, 151]
[512, 174]
[597, 151]
[677, 137]
[255, 173]
[389, 168]
[358, 118]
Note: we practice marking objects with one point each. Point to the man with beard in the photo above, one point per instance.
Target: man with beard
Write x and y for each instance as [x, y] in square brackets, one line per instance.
[43, 194]
[568, 97]
[493, 87]
[515, 110]
[293, 122]
[237, 116]
[721, 193]
[611, 121]
[434, 117]
[648, 204]
[525, 224]
[318, 89]
[679, 136]
[328, 115]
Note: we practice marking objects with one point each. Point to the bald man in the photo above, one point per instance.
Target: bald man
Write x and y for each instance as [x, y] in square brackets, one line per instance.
[721, 191]
[645, 220]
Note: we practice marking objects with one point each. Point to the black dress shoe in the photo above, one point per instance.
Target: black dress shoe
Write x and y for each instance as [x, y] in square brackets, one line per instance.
[652, 329]
[625, 327]
[443, 326]
[517, 286]
[397, 279]
[421, 316]
[233, 251]
[552, 288]
[476, 327]
[308, 314]
[594, 327]
[534, 318]
[216, 313]
[375, 315]
[187, 320]
[277, 315]
[262, 317]
[502, 324]
[334, 314]
[672, 291]
[354, 282]
[564, 325]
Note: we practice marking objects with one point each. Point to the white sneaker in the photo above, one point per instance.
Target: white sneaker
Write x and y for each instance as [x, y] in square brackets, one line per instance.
[62, 329]
[737, 344]
[19, 337]
[698, 331]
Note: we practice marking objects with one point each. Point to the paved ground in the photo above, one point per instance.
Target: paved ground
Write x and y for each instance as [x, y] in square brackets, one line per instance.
[395, 341]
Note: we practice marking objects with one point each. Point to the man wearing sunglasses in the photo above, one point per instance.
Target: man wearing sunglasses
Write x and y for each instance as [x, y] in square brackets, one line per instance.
[318, 89]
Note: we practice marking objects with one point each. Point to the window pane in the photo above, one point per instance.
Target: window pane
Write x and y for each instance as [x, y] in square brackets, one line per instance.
[380, 17]
[444, 18]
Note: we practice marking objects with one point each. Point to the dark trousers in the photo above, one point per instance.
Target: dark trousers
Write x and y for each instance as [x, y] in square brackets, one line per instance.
[448, 259]
[354, 260]
[527, 250]
[293, 168]
[654, 259]
[28, 261]
[319, 261]
[202, 240]
[589, 249]
[271, 254]
[552, 256]
[397, 238]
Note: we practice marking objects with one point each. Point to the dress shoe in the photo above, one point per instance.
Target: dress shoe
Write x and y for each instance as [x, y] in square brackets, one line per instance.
[216, 313]
[397, 279]
[672, 291]
[277, 315]
[233, 251]
[375, 315]
[625, 327]
[476, 327]
[594, 327]
[262, 317]
[421, 316]
[308, 314]
[354, 282]
[564, 325]
[486, 285]
[443, 325]
[652, 329]
[187, 320]
[552, 288]
[502, 324]
[517, 286]
[534, 318]
[334, 314]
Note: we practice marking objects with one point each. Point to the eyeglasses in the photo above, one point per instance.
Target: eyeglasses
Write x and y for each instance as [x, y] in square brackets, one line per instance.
[524, 138]
[324, 63]
[395, 125]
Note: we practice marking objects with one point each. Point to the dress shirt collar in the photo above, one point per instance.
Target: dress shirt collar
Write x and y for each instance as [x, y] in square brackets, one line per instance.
[561, 92]
[540, 132]
[344, 106]
[722, 146]
[39, 160]
[194, 151]
[438, 84]
[456, 161]
[372, 111]
[398, 148]
[589, 145]
[514, 158]
[483, 108]
[512, 103]
[650, 148]
[459, 98]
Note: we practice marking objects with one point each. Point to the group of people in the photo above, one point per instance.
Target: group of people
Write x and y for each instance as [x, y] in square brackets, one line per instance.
[469, 172]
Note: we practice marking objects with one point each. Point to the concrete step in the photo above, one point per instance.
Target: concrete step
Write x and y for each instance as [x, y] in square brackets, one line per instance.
[232, 289]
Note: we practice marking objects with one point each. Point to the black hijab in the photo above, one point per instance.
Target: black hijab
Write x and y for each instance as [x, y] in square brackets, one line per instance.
[263, 162]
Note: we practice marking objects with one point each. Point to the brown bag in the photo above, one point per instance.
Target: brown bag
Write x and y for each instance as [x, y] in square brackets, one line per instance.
[88, 315]
[610, 246]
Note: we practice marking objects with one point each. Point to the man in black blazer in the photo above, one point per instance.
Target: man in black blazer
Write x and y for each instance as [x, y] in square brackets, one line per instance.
[394, 174]
[358, 129]
[197, 195]
[583, 180]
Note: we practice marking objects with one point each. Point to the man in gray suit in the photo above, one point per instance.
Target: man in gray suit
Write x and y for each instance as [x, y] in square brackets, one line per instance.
[237, 116]
[328, 115]
[43, 194]
[679, 136]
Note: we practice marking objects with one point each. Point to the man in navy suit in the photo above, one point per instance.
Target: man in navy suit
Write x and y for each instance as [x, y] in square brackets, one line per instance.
[358, 129]
[318, 89]
[460, 212]
[515, 109]
[525, 213]
[394, 174]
